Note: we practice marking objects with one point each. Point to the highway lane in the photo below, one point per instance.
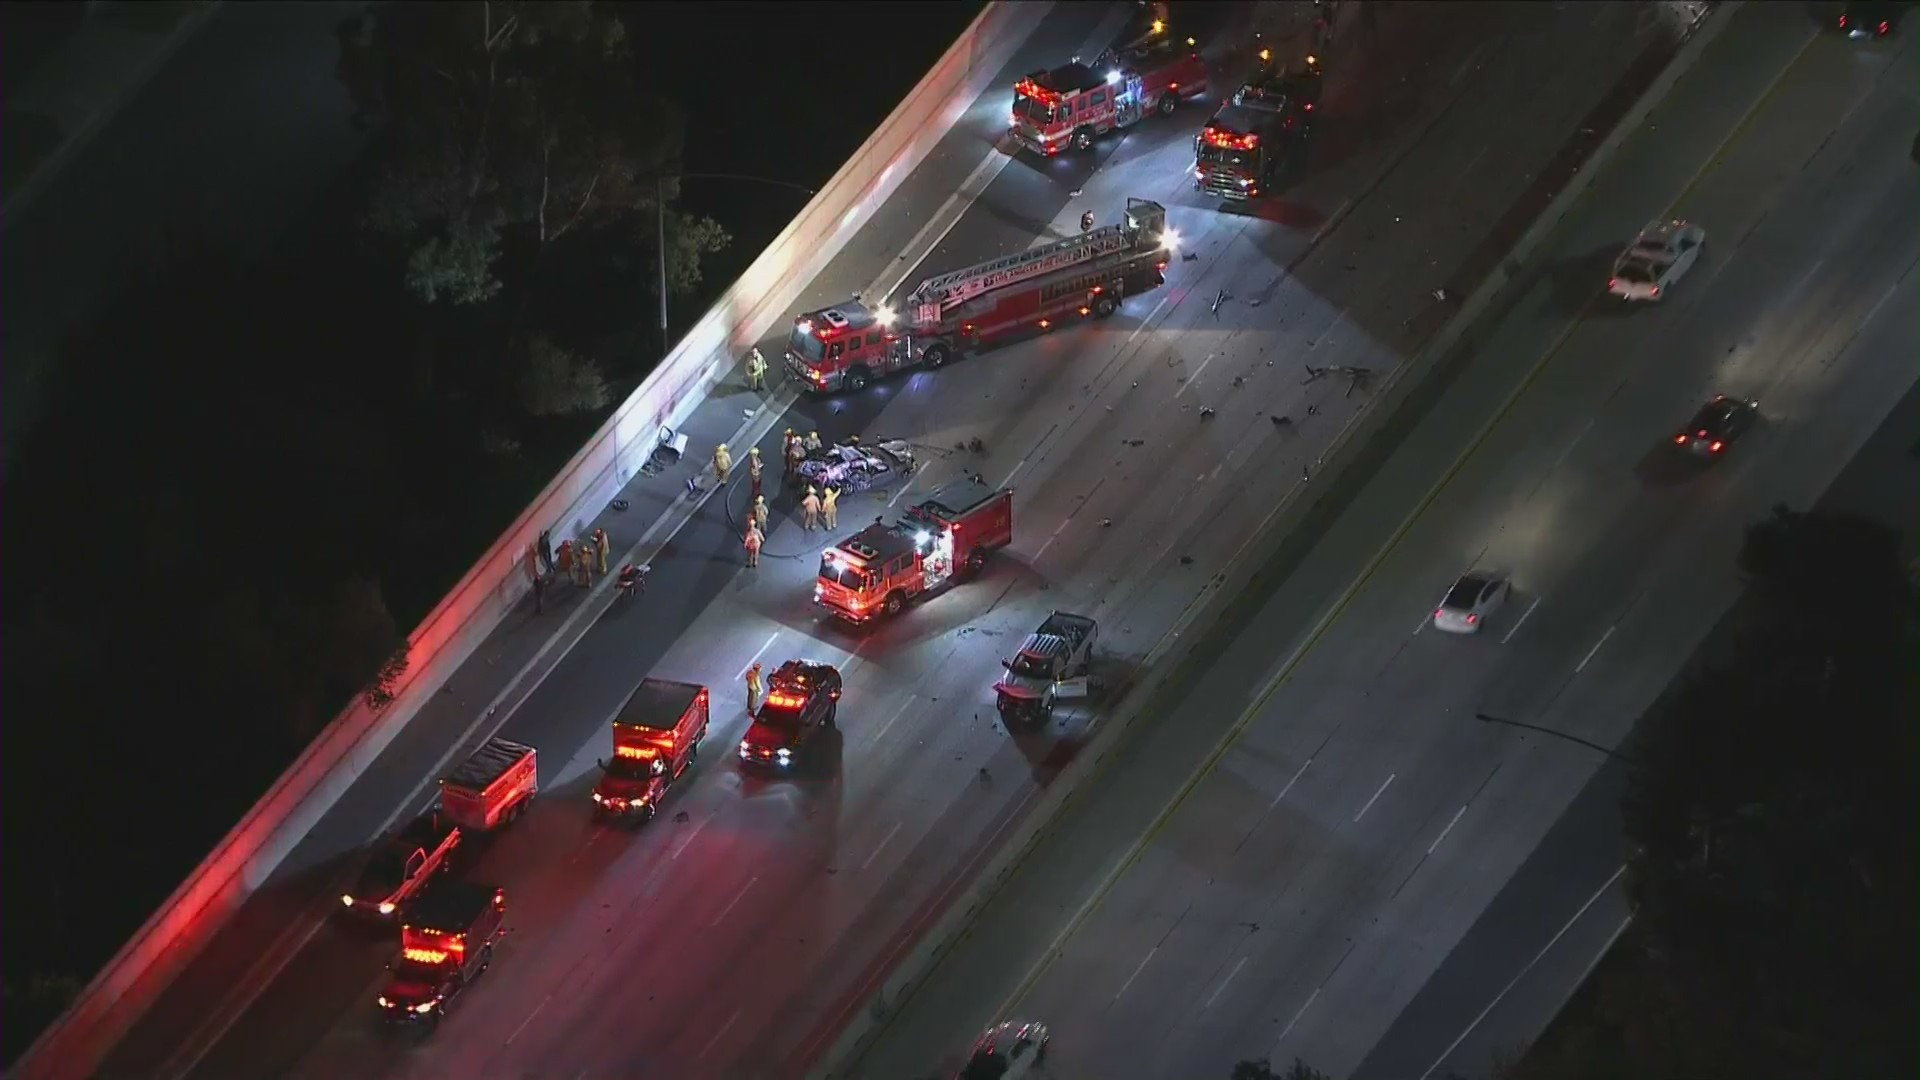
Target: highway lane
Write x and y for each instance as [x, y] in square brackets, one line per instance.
[724, 944]
[1314, 878]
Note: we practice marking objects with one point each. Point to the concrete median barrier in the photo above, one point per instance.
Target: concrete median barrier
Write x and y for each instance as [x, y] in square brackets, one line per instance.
[1345, 462]
[757, 302]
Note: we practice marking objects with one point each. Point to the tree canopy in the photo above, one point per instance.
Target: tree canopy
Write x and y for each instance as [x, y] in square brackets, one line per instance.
[510, 120]
[1773, 822]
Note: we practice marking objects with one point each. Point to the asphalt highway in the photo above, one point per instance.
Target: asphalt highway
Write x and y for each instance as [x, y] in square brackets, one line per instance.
[732, 937]
[1291, 864]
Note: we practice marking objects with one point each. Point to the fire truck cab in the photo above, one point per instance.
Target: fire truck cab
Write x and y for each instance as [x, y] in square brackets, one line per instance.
[1071, 105]
[845, 347]
[445, 944]
[939, 540]
[1245, 149]
[656, 738]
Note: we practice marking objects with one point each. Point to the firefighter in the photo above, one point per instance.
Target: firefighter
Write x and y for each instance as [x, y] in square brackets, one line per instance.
[810, 506]
[563, 560]
[795, 455]
[722, 463]
[601, 545]
[754, 469]
[756, 370]
[583, 563]
[812, 442]
[1086, 222]
[755, 688]
[546, 550]
[753, 541]
[830, 508]
[760, 513]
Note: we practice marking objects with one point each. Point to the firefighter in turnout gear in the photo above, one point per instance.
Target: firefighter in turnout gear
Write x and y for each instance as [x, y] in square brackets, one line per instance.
[756, 370]
[760, 513]
[752, 542]
[795, 455]
[722, 463]
[756, 689]
[601, 545]
[830, 508]
[754, 469]
[812, 442]
[810, 506]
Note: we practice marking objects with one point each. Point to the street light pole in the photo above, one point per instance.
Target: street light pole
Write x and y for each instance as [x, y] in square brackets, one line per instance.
[1616, 755]
[660, 220]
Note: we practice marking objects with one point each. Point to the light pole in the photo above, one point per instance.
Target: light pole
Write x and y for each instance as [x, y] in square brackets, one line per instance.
[1614, 754]
[660, 210]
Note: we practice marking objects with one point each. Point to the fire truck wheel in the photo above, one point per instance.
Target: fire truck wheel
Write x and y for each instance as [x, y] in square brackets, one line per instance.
[1167, 104]
[893, 603]
[1105, 306]
[856, 378]
[1083, 140]
[937, 355]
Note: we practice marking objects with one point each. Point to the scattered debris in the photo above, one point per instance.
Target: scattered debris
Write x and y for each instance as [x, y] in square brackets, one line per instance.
[1313, 410]
[1189, 256]
[1219, 298]
[1133, 442]
[1206, 414]
[1106, 523]
[1239, 381]
[1280, 420]
[1186, 560]
[974, 444]
[1440, 295]
[619, 506]
[682, 818]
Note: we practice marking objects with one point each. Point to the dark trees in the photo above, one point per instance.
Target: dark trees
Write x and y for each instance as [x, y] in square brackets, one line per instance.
[509, 129]
[1773, 820]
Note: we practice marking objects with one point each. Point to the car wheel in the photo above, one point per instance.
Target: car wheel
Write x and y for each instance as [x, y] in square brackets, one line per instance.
[856, 379]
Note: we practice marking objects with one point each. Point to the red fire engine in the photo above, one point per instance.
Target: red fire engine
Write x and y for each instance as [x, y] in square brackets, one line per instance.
[942, 538]
[1073, 104]
[1250, 142]
[849, 345]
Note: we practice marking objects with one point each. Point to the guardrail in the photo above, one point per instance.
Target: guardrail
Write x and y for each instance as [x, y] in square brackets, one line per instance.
[248, 856]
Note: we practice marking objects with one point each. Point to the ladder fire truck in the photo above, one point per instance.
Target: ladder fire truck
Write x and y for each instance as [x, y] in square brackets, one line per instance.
[1073, 104]
[1246, 148]
[849, 344]
[939, 540]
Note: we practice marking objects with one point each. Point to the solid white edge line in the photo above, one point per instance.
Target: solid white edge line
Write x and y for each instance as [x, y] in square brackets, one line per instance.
[1515, 981]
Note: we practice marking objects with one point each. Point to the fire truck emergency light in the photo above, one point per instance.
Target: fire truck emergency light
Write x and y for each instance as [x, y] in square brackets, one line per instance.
[885, 315]
[806, 326]
[1113, 78]
[922, 537]
[1169, 239]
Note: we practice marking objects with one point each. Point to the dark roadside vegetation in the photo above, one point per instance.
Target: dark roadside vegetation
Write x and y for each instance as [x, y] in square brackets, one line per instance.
[1772, 834]
[254, 479]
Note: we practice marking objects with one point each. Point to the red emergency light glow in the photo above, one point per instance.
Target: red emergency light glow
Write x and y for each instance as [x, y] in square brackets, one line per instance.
[1229, 140]
[780, 699]
[642, 753]
[1029, 88]
[425, 956]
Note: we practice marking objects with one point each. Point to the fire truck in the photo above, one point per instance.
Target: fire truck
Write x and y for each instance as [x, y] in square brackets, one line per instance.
[939, 540]
[1073, 104]
[656, 737]
[848, 345]
[1246, 148]
[445, 944]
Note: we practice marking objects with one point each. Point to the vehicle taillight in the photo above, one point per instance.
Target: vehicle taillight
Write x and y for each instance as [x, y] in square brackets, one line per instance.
[1680, 439]
[1613, 283]
[1086, 311]
[1045, 323]
[1715, 448]
[1471, 619]
[1655, 291]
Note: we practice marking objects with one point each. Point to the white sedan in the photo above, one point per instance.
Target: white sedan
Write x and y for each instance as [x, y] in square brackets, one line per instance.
[1660, 255]
[1469, 602]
